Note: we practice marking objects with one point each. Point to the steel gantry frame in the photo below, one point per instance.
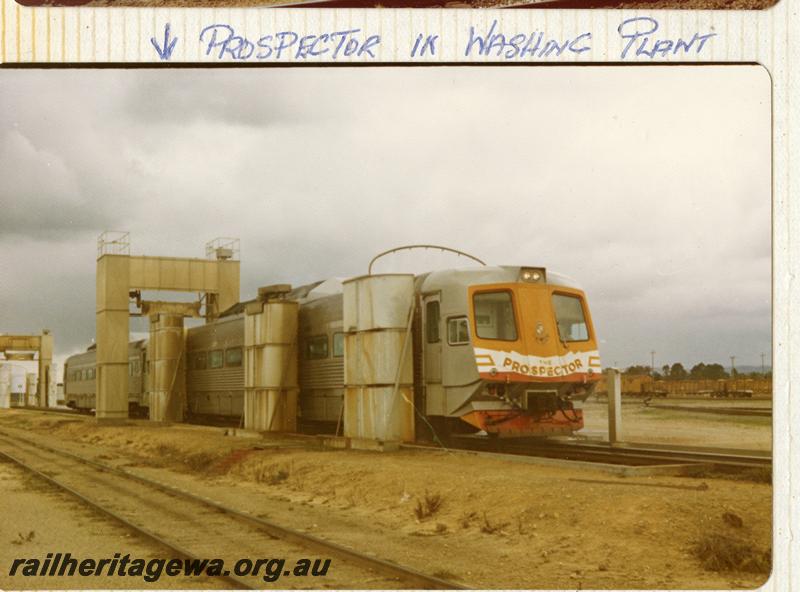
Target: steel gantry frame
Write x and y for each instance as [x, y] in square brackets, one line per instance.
[22, 347]
[118, 275]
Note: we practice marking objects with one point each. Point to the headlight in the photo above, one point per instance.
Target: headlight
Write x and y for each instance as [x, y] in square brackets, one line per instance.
[535, 275]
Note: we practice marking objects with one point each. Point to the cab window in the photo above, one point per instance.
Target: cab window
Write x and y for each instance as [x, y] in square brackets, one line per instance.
[494, 316]
[570, 318]
[233, 357]
[338, 345]
[215, 359]
[457, 331]
[200, 361]
[317, 347]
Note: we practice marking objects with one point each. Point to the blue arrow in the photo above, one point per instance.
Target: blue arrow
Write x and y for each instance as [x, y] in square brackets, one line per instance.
[165, 52]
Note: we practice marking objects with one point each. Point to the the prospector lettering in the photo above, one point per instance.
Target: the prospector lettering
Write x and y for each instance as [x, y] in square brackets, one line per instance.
[542, 370]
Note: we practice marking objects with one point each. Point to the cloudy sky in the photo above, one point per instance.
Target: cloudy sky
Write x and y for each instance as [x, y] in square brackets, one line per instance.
[649, 186]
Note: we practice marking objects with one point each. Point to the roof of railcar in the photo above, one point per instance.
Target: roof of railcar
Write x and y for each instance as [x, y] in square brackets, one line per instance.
[426, 281]
[494, 274]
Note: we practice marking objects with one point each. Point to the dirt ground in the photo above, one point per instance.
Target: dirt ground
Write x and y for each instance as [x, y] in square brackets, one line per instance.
[486, 523]
[641, 423]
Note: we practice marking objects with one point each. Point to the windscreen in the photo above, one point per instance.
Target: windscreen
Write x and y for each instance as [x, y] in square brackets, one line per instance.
[494, 316]
[570, 319]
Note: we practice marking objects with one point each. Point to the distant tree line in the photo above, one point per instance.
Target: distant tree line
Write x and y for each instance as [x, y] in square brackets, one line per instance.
[699, 371]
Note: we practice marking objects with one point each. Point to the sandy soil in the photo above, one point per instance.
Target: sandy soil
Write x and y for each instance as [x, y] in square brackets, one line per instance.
[500, 524]
[38, 519]
[645, 424]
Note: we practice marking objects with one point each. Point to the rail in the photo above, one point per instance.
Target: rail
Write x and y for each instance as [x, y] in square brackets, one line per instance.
[181, 552]
[633, 454]
[381, 566]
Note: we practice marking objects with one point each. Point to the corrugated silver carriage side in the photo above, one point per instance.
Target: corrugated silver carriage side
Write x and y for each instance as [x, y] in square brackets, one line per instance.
[80, 373]
[321, 359]
[215, 368]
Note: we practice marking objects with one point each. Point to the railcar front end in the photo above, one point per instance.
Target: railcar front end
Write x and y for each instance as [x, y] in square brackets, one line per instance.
[536, 354]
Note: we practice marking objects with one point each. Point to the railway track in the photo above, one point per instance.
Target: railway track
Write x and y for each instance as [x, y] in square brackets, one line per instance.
[627, 454]
[55, 410]
[622, 454]
[196, 527]
[744, 411]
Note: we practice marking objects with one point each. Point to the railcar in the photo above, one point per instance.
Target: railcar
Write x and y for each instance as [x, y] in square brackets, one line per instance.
[506, 350]
[215, 370]
[215, 373]
[320, 352]
[510, 351]
[80, 373]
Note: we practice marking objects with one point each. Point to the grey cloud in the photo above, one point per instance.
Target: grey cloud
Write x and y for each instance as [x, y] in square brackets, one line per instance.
[649, 186]
[41, 194]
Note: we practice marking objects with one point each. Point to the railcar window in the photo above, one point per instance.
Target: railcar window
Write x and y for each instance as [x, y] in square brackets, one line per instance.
[570, 318]
[338, 345]
[494, 316]
[233, 357]
[215, 359]
[457, 331]
[317, 347]
[200, 361]
[432, 321]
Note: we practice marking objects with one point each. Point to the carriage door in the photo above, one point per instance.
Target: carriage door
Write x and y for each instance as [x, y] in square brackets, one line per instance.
[432, 348]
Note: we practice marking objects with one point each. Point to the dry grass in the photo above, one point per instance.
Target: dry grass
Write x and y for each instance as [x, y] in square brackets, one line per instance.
[492, 528]
[752, 475]
[23, 538]
[722, 553]
[428, 505]
[201, 462]
[467, 519]
[273, 474]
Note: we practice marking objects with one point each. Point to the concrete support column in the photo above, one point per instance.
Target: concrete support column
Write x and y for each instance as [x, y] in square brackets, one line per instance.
[166, 353]
[614, 405]
[5, 386]
[113, 274]
[30, 390]
[270, 366]
[45, 368]
[378, 367]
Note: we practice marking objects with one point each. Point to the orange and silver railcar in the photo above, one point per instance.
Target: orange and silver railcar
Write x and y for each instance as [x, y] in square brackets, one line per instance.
[510, 351]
